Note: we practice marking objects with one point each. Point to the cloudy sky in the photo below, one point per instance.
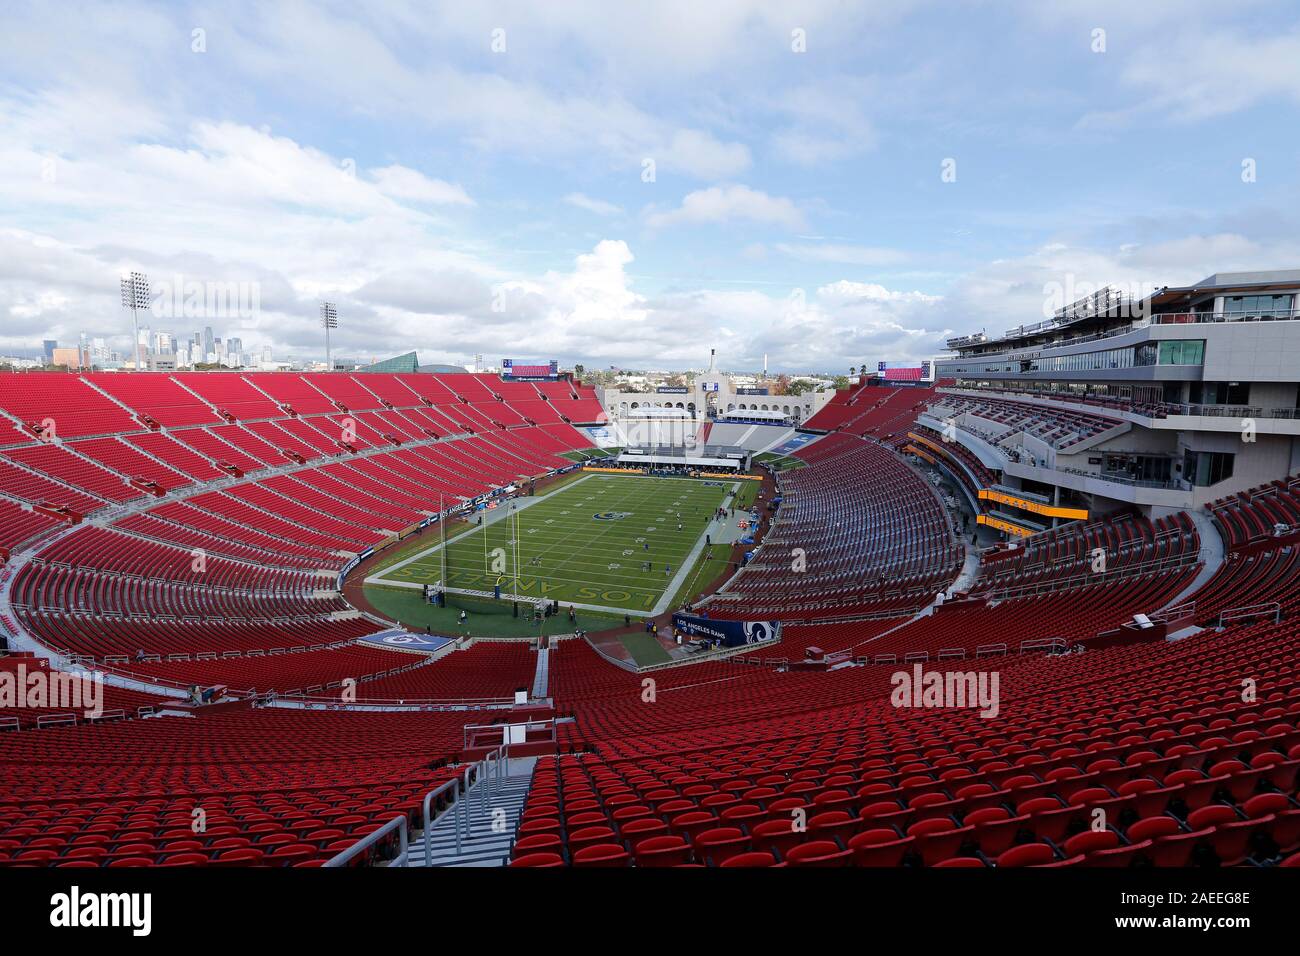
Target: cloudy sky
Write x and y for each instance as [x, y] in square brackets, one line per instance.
[632, 183]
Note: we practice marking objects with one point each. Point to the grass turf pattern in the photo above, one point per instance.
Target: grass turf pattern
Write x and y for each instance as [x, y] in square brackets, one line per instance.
[587, 543]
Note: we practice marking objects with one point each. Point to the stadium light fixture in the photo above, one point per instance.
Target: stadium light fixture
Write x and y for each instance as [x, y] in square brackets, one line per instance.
[135, 296]
[329, 319]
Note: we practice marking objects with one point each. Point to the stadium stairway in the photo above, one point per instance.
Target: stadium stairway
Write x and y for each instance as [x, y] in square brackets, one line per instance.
[494, 810]
[970, 571]
[541, 676]
[1212, 555]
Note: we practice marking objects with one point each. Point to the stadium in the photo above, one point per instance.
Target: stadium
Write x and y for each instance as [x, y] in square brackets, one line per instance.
[427, 620]
[823, 461]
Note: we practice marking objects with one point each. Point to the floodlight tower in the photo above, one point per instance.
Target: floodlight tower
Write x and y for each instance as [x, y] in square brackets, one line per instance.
[329, 319]
[135, 296]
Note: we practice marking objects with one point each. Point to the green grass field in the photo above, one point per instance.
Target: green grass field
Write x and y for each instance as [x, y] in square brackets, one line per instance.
[582, 454]
[779, 462]
[485, 617]
[584, 544]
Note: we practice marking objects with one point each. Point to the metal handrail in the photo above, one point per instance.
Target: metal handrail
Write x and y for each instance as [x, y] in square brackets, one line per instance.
[454, 785]
[1055, 645]
[397, 823]
[1069, 535]
[1122, 573]
[1226, 315]
[1186, 609]
[1249, 611]
[483, 771]
[1118, 479]
[488, 772]
[407, 703]
[533, 723]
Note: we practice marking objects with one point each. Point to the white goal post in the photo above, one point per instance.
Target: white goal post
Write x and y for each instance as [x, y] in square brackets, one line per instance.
[490, 596]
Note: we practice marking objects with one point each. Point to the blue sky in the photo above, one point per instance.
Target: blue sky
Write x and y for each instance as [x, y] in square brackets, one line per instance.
[462, 199]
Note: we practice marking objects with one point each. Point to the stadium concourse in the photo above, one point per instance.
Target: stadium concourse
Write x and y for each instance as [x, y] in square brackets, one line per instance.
[180, 543]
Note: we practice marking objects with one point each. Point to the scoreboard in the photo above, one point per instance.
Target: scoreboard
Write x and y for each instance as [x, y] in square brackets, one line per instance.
[511, 368]
[905, 371]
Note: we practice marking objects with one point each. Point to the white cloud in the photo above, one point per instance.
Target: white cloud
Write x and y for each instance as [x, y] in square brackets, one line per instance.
[845, 292]
[723, 204]
[825, 121]
[399, 182]
[496, 106]
[843, 253]
[103, 169]
[700, 154]
[225, 204]
[597, 206]
[1183, 66]
[594, 315]
[1026, 289]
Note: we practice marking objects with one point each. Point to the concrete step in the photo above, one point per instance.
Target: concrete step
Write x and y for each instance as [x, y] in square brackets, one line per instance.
[492, 814]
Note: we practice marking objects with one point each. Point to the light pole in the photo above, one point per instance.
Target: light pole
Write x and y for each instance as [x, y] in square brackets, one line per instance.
[135, 296]
[329, 318]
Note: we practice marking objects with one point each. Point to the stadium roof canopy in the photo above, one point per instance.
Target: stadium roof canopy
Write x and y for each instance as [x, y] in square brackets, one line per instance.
[445, 369]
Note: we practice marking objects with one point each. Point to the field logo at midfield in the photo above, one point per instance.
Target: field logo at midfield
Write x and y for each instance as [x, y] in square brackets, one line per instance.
[611, 515]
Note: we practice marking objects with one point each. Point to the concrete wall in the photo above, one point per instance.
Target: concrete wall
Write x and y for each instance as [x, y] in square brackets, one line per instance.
[1246, 351]
[699, 399]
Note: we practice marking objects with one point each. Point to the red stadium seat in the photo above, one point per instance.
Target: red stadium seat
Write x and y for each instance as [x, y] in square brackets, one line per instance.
[662, 851]
[818, 853]
[777, 756]
[602, 855]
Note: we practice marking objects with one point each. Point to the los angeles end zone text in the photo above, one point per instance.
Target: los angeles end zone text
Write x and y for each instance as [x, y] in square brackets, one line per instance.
[606, 541]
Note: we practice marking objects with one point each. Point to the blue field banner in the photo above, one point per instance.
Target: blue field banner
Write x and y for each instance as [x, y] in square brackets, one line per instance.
[731, 633]
[794, 444]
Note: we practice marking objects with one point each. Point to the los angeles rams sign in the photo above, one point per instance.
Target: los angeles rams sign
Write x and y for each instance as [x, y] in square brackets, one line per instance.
[611, 515]
[731, 633]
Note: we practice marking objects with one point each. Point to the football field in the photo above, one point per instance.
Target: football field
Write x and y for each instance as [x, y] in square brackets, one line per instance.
[605, 542]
